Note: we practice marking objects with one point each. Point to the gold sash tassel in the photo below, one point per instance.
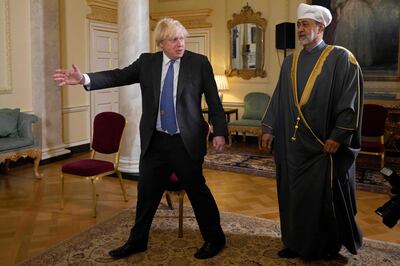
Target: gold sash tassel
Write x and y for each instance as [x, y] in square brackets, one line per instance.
[293, 138]
[307, 89]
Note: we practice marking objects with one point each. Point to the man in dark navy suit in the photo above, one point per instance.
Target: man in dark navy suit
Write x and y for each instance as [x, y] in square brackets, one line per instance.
[172, 135]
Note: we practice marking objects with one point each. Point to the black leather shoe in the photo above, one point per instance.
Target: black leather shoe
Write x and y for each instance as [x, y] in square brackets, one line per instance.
[209, 250]
[126, 250]
[287, 253]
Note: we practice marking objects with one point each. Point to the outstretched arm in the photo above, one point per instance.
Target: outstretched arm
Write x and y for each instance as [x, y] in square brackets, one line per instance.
[68, 77]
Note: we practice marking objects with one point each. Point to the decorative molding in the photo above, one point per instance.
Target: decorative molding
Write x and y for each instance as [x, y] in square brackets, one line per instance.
[103, 10]
[247, 15]
[6, 83]
[128, 165]
[54, 151]
[85, 109]
[204, 34]
[191, 19]
[78, 143]
[76, 109]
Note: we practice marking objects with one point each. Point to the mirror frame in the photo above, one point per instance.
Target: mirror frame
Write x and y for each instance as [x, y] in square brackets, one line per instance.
[247, 15]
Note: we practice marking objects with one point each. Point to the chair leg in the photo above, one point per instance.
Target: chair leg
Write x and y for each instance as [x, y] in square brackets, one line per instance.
[62, 192]
[382, 160]
[38, 156]
[169, 201]
[180, 228]
[122, 185]
[94, 196]
[6, 166]
[259, 142]
[229, 140]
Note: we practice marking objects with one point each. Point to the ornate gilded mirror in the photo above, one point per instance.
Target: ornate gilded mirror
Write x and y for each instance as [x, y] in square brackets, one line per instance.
[247, 33]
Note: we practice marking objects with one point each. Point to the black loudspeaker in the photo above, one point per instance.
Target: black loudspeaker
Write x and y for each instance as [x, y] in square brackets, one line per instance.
[285, 36]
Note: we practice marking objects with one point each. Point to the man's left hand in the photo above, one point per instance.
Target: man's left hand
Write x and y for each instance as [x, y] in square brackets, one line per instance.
[331, 146]
[219, 143]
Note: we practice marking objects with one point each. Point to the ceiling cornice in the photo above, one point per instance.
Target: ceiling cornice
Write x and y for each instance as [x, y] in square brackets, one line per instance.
[189, 18]
[103, 10]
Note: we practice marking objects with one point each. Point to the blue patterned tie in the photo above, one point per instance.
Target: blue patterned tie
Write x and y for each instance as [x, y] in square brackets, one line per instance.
[167, 110]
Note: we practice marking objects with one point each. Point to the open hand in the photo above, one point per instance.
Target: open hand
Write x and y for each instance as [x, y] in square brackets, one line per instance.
[266, 141]
[219, 143]
[331, 146]
[68, 77]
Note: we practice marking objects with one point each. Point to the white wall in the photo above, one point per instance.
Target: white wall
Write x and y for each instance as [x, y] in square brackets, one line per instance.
[21, 95]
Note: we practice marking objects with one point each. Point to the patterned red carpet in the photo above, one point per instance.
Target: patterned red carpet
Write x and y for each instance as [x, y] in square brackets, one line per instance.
[368, 176]
[250, 241]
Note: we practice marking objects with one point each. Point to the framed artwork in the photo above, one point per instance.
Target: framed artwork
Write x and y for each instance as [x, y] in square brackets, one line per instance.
[370, 30]
[5, 49]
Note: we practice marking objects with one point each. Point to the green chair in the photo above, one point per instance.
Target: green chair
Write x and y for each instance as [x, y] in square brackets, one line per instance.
[255, 105]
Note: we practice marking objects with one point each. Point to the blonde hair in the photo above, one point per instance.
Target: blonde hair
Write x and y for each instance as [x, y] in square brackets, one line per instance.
[168, 28]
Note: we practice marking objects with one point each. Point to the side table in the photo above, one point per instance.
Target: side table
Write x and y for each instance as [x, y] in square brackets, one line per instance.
[227, 111]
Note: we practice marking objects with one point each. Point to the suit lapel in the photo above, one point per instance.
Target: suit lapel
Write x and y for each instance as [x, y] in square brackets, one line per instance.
[156, 74]
[183, 74]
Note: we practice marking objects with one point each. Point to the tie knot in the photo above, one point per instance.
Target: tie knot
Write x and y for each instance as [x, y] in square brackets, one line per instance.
[171, 62]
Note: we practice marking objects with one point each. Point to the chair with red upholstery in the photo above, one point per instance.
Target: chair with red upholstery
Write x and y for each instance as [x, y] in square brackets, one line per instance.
[108, 128]
[373, 131]
[175, 187]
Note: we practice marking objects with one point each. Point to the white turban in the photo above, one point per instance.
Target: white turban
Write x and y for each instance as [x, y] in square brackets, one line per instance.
[317, 13]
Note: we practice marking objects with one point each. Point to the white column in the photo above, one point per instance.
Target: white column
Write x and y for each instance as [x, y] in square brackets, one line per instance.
[133, 39]
[45, 58]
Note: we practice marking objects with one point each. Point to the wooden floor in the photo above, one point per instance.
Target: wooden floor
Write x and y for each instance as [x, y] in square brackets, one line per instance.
[31, 220]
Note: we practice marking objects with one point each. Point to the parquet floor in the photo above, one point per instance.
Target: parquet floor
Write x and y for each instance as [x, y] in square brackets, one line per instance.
[31, 220]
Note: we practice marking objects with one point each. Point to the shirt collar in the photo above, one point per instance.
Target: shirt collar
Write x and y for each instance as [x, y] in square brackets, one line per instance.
[317, 47]
[166, 59]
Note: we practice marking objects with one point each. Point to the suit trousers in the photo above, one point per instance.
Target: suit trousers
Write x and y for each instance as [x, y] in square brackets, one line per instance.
[166, 154]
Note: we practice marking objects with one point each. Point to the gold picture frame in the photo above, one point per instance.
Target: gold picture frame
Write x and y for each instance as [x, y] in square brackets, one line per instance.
[5, 48]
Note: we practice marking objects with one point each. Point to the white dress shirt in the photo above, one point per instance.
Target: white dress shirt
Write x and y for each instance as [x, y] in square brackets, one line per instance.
[165, 65]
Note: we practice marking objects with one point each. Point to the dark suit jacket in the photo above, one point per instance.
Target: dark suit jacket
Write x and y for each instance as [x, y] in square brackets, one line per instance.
[195, 78]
